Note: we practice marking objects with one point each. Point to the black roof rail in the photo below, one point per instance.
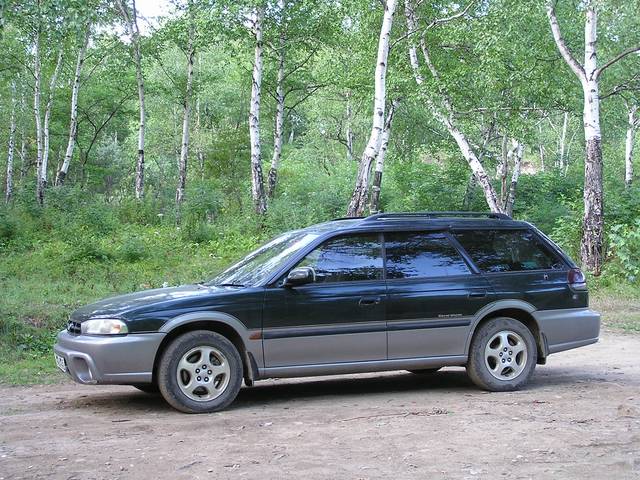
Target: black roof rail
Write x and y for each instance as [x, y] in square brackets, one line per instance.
[346, 218]
[401, 215]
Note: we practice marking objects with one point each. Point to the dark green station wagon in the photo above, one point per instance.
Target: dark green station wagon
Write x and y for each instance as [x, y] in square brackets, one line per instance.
[413, 291]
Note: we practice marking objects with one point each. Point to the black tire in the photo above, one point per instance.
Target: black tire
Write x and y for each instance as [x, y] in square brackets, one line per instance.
[168, 372]
[479, 363]
[425, 371]
[150, 388]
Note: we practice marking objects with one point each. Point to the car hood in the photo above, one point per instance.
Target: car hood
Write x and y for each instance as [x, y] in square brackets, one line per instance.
[161, 297]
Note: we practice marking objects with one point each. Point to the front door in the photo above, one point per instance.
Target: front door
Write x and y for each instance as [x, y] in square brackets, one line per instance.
[432, 295]
[338, 318]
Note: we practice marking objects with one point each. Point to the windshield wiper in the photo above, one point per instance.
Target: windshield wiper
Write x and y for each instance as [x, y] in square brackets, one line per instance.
[229, 285]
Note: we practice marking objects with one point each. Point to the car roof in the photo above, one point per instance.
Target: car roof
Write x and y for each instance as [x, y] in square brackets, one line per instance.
[419, 220]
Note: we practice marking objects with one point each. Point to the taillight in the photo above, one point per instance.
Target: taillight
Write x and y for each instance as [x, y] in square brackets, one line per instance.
[576, 279]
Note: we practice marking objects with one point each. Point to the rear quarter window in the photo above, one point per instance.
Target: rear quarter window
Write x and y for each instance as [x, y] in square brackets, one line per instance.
[508, 251]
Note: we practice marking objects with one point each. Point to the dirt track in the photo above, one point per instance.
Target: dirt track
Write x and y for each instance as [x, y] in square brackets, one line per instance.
[580, 418]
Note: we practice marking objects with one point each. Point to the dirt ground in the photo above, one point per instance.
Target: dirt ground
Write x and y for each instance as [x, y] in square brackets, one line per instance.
[579, 418]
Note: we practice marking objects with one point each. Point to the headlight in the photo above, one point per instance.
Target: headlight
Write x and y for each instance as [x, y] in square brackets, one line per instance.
[103, 326]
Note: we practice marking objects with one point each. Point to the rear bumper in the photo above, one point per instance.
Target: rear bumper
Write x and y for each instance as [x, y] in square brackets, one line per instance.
[126, 359]
[568, 328]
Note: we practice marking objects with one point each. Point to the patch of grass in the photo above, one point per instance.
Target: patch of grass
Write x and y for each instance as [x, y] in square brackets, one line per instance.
[619, 312]
[28, 369]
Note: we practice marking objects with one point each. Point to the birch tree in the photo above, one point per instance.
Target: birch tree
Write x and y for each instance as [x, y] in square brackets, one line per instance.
[43, 164]
[278, 132]
[589, 73]
[10, 154]
[359, 195]
[257, 180]
[131, 26]
[633, 121]
[516, 152]
[186, 110]
[376, 185]
[442, 107]
[73, 122]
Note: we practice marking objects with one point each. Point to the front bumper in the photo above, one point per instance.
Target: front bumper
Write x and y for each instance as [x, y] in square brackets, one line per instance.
[126, 359]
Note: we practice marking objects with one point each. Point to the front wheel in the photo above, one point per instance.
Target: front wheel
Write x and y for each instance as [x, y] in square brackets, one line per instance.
[200, 372]
[502, 356]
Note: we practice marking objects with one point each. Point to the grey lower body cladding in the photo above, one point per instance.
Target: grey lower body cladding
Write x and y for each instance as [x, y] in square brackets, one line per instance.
[129, 359]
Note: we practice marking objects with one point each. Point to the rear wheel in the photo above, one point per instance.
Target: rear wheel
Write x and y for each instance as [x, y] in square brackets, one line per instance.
[200, 372]
[502, 356]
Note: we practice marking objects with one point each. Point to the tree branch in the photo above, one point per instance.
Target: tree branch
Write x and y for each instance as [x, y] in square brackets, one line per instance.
[616, 59]
[577, 68]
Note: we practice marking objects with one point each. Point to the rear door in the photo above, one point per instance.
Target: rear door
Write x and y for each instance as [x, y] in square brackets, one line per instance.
[338, 318]
[518, 265]
[433, 294]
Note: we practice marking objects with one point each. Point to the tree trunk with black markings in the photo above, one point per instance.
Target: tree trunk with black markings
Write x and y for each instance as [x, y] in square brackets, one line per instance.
[359, 195]
[257, 180]
[73, 124]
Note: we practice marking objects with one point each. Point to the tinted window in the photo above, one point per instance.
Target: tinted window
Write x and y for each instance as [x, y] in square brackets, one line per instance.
[414, 254]
[507, 251]
[346, 259]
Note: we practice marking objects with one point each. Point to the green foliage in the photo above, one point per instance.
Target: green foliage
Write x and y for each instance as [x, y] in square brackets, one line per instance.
[625, 248]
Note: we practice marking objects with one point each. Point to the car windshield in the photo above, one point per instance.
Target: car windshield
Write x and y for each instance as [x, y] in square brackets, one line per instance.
[263, 262]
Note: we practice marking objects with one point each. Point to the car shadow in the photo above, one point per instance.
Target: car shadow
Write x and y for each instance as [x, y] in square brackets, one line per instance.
[281, 391]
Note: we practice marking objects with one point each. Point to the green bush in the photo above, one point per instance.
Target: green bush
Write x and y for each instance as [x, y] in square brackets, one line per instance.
[625, 250]
[8, 227]
[132, 249]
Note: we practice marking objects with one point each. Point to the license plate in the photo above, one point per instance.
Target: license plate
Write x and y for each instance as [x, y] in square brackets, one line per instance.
[61, 362]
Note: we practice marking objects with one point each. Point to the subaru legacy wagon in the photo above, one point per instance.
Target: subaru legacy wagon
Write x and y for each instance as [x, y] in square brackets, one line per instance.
[392, 291]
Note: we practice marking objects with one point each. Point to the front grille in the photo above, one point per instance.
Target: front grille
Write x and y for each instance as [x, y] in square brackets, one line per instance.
[73, 327]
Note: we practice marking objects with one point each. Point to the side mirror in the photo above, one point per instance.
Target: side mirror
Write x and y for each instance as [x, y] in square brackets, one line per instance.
[300, 276]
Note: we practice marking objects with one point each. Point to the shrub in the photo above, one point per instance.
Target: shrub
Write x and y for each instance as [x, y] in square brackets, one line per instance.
[132, 249]
[625, 249]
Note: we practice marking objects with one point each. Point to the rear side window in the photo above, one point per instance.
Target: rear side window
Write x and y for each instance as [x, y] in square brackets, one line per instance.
[347, 259]
[507, 251]
[416, 254]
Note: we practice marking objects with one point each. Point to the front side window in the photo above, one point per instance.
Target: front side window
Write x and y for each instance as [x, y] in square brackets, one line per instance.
[263, 262]
[347, 259]
[507, 251]
[421, 255]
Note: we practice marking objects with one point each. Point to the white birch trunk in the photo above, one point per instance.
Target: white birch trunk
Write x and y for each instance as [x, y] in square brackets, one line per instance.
[359, 195]
[446, 118]
[257, 180]
[73, 124]
[199, 152]
[184, 146]
[12, 139]
[517, 152]
[628, 151]
[37, 94]
[591, 247]
[501, 170]
[376, 185]
[279, 120]
[131, 25]
[42, 178]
